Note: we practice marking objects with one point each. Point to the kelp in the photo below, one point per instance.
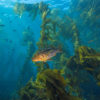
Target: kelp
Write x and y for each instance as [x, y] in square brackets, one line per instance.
[28, 41]
[32, 91]
[33, 9]
[86, 14]
[27, 36]
[53, 28]
[50, 83]
[55, 85]
[19, 9]
[50, 35]
[79, 62]
[69, 30]
[83, 51]
[55, 33]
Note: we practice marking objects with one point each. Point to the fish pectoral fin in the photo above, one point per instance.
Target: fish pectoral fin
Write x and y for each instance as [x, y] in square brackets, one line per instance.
[44, 61]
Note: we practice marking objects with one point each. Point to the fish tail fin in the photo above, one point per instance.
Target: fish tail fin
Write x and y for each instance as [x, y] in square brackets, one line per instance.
[59, 50]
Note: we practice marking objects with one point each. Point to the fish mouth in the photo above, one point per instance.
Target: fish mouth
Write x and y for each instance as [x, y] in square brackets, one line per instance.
[34, 60]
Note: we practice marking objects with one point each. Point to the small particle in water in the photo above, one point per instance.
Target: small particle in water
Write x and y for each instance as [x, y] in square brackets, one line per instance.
[2, 25]
[14, 30]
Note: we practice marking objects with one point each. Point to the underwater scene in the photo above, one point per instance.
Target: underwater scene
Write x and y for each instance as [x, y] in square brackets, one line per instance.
[49, 49]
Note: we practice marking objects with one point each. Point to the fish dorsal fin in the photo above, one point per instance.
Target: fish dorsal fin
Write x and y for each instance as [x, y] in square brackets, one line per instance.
[44, 50]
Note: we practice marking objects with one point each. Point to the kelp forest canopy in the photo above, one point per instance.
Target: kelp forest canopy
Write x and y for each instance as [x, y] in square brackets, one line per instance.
[76, 32]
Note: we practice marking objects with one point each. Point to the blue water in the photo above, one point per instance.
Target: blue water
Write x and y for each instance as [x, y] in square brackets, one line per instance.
[14, 51]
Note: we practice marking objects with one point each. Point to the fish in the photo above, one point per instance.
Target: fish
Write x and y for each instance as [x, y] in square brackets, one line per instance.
[14, 30]
[7, 40]
[2, 25]
[10, 21]
[90, 41]
[45, 55]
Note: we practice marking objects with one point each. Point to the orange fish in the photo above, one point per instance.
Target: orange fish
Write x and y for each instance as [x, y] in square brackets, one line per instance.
[45, 55]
